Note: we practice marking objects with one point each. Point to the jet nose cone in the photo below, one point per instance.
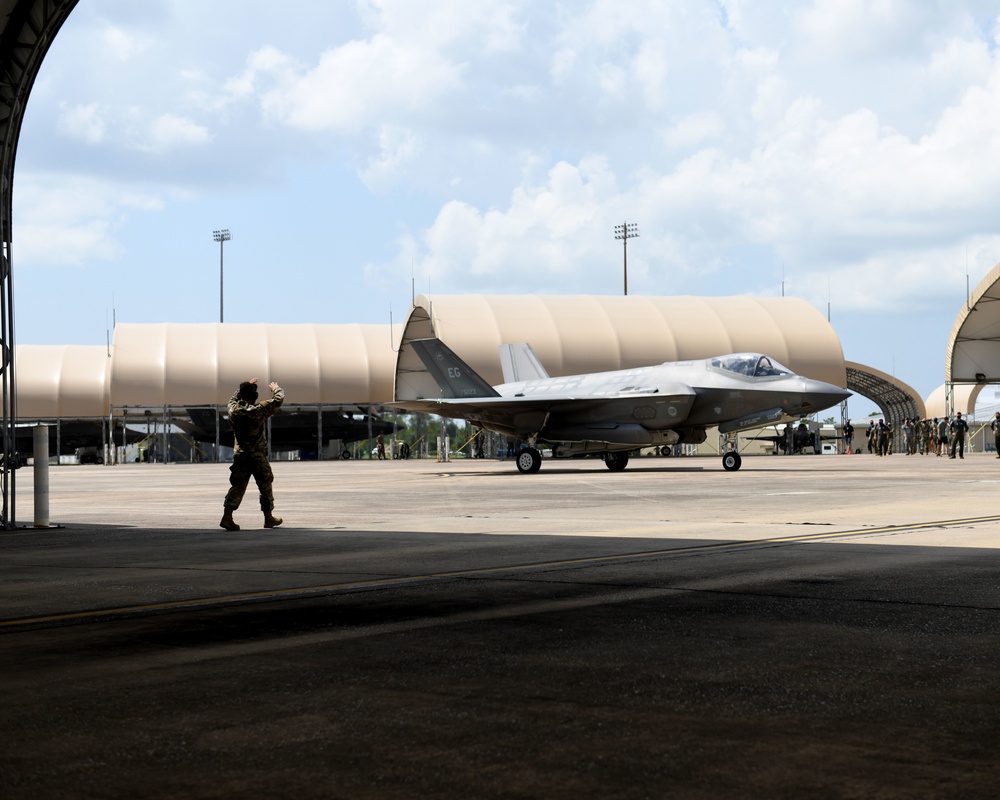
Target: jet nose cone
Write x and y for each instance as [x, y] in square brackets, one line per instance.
[818, 395]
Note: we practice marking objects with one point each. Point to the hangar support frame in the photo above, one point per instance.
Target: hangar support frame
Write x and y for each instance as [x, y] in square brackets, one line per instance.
[27, 28]
[896, 402]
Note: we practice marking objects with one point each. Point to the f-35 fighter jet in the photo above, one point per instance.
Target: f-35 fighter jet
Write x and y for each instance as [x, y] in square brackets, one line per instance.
[612, 413]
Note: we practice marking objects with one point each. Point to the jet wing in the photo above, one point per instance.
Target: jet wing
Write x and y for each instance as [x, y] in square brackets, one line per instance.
[530, 413]
[561, 403]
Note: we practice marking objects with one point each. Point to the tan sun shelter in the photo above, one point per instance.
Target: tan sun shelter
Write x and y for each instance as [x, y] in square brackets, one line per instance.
[202, 364]
[163, 364]
[964, 397]
[973, 355]
[62, 381]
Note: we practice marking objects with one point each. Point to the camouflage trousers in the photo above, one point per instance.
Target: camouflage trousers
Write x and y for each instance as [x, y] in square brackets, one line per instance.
[246, 466]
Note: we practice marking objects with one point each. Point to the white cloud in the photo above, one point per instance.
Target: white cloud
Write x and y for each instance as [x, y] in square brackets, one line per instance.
[693, 130]
[62, 221]
[822, 189]
[959, 63]
[170, 131]
[485, 26]
[84, 122]
[122, 46]
[141, 201]
[852, 29]
[652, 53]
[915, 278]
[73, 245]
[262, 63]
[650, 68]
[398, 147]
[131, 128]
[353, 85]
[547, 233]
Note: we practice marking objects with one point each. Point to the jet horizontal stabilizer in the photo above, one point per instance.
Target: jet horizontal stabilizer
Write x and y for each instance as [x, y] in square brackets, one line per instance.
[755, 420]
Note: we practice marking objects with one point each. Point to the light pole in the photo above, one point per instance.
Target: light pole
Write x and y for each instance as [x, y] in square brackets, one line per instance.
[221, 237]
[625, 232]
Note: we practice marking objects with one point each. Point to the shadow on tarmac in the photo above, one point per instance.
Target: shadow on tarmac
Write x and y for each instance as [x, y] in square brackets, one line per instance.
[835, 668]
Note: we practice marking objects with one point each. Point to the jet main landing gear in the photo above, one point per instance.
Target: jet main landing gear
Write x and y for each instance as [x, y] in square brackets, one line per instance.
[616, 462]
[731, 461]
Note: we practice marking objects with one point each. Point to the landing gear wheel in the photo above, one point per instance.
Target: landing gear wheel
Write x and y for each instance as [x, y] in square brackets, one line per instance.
[616, 461]
[665, 451]
[731, 461]
[528, 460]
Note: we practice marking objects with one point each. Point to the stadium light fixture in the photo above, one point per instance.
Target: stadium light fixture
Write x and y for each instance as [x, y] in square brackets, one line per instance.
[221, 237]
[625, 232]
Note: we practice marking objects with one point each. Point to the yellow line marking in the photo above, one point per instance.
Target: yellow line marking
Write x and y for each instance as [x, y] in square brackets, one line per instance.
[276, 594]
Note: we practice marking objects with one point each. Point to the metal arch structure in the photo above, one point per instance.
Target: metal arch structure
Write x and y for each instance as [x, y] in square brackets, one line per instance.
[27, 28]
[973, 354]
[895, 399]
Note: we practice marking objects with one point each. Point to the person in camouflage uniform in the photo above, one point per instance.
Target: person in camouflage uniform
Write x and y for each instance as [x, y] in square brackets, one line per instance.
[249, 418]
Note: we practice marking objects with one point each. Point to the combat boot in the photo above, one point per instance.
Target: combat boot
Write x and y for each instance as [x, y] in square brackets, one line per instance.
[271, 521]
[227, 521]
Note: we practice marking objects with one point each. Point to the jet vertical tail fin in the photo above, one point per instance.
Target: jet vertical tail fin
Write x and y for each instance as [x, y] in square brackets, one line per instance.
[453, 376]
[520, 363]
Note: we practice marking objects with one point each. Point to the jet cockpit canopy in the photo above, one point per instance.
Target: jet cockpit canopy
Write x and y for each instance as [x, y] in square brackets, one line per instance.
[751, 365]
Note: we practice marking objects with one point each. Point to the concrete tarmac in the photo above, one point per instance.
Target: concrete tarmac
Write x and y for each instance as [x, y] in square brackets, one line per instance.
[810, 626]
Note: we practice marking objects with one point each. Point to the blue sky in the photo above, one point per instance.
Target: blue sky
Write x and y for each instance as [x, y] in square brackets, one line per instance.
[358, 149]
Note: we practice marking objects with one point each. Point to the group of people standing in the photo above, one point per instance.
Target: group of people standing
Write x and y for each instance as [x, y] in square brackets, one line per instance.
[939, 435]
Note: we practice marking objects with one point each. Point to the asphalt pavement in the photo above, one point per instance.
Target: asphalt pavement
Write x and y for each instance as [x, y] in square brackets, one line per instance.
[809, 626]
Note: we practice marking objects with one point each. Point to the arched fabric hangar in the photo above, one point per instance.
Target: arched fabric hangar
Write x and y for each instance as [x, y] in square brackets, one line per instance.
[186, 364]
[963, 398]
[973, 354]
[574, 334]
[896, 400]
[202, 364]
[63, 381]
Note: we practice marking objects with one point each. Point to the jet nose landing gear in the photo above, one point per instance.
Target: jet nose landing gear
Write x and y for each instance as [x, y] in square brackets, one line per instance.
[528, 460]
[731, 461]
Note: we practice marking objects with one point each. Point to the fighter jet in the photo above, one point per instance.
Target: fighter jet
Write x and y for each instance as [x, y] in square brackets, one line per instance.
[610, 413]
